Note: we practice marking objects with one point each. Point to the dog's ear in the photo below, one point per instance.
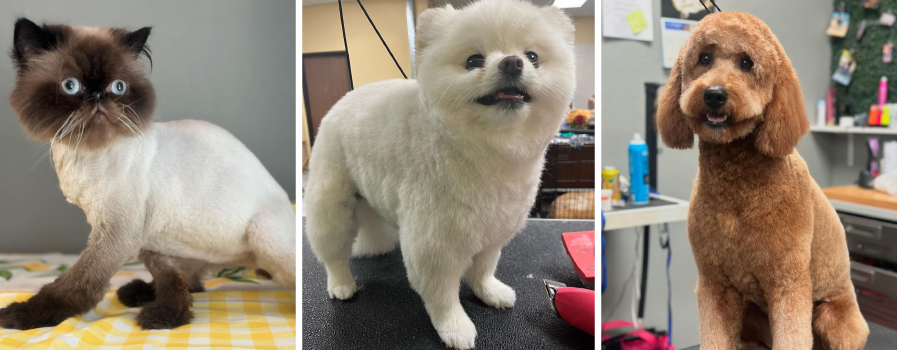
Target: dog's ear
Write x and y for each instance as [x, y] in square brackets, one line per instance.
[671, 122]
[562, 21]
[430, 23]
[784, 121]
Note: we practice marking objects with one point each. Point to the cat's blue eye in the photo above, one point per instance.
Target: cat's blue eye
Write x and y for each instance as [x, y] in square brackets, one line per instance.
[71, 86]
[118, 87]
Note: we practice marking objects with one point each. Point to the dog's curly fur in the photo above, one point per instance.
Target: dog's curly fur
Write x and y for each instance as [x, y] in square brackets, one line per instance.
[773, 265]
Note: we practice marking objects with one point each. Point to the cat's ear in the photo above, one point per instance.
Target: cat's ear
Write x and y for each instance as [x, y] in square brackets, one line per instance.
[136, 42]
[29, 40]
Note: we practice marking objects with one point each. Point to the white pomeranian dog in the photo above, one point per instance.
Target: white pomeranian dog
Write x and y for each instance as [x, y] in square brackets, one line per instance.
[447, 165]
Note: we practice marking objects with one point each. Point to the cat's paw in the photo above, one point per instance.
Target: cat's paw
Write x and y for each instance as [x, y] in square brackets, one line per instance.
[457, 332]
[343, 291]
[136, 293]
[495, 294]
[33, 314]
[164, 316]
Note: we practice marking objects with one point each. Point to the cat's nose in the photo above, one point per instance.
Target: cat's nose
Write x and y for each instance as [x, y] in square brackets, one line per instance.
[511, 66]
[97, 95]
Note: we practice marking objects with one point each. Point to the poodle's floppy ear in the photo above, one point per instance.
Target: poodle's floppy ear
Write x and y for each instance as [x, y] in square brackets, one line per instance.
[784, 121]
[430, 23]
[670, 120]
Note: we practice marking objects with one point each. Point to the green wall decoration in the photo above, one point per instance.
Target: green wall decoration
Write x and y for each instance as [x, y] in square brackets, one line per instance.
[863, 89]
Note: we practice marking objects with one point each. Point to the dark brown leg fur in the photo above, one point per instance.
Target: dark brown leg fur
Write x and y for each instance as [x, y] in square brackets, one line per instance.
[136, 293]
[171, 307]
[76, 291]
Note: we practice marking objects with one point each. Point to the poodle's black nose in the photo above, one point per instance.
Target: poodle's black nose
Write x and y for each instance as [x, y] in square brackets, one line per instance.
[715, 97]
[511, 66]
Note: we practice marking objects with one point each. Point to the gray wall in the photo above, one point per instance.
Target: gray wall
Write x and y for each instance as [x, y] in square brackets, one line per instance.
[228, 62]
[626, 65]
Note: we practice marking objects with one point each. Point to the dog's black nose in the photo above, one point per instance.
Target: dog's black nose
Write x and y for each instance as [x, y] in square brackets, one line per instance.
[715, 97]
[511, 66]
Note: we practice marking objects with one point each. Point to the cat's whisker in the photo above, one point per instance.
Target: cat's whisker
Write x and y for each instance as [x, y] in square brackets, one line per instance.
[79, 141]
[128, 126]
[40, 159]
[60, 128]
[135, 129]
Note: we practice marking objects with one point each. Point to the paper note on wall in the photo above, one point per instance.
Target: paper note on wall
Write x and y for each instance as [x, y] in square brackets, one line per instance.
[673, 34]
[637, 21]
[627, 19]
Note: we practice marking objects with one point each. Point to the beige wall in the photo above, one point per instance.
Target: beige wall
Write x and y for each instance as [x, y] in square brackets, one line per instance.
[369, 59]
[585, 29]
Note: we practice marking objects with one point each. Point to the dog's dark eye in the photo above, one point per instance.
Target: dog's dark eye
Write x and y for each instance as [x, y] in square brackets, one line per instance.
[747, 64]
[475, 61]
[704, 58]
[533, 57]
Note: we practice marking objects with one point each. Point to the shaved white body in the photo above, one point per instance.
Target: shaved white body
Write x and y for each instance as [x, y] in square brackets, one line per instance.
[190, 190]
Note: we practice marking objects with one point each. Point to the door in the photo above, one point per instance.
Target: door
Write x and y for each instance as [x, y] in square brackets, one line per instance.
[325, 79]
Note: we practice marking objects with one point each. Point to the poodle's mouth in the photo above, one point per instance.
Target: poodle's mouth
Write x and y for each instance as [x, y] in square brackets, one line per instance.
[511, 97]
[717, 120]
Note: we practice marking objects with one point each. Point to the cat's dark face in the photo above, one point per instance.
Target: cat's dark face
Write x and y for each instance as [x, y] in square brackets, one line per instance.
[81, 86]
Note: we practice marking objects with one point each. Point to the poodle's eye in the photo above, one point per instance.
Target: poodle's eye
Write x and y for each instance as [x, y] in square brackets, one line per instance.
[71, 86]
[704, 58]
[747, 64]
[475, 61]
[533, 57]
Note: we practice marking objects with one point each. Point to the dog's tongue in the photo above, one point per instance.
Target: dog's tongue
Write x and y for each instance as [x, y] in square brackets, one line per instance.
[510, 93]
[716, 118]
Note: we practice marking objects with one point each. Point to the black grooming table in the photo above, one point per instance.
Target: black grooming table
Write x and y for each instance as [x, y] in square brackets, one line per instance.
[386, 313]
[880, 338]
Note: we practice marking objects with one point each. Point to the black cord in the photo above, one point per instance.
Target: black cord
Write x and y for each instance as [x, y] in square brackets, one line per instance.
[714, 5]
[345, 44]
[381, 39]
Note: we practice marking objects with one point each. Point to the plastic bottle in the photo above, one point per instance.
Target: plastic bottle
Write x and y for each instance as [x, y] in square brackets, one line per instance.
[638, 169]
[883, 90]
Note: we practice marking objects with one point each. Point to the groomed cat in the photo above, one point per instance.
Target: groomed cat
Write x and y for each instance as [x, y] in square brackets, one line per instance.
[183, 196]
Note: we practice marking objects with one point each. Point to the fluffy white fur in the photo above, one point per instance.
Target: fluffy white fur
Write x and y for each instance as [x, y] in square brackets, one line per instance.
[187, 189]
[456, 178]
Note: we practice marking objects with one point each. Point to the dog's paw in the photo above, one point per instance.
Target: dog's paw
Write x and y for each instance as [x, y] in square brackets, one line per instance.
[32, 314]
[343, 291]
[163, 316]
[457, 332]
[495, 294]
[136, 293]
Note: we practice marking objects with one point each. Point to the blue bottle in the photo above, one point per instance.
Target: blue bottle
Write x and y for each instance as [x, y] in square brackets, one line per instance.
[638, 169]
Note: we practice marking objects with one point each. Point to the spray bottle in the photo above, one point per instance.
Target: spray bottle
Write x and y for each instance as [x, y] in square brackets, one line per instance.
[638, 169]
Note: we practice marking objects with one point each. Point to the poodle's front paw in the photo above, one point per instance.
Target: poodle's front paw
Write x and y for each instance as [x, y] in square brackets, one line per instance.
[342, 291]
[458, 332]
[495, 293]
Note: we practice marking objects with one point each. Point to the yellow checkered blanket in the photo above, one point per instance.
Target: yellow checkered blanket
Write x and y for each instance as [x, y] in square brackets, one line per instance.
[238, 312]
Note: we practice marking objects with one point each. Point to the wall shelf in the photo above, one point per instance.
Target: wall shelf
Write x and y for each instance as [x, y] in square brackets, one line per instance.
[850, 132]
[855, 130]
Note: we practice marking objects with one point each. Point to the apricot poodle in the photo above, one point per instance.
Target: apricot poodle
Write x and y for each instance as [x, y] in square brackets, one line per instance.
[773, 266]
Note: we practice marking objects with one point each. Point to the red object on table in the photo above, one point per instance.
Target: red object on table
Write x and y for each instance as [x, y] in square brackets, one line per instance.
[580, 247]
[576, 306]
